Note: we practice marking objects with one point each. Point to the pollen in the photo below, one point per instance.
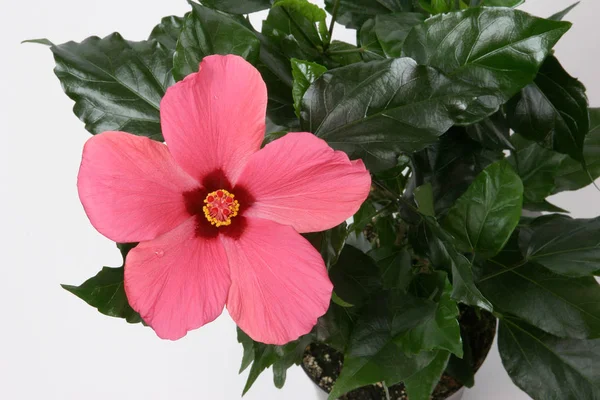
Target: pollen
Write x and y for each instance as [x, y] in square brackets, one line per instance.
[220, 207]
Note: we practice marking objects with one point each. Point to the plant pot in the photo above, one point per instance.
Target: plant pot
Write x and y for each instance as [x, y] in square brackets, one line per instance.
[478, 328]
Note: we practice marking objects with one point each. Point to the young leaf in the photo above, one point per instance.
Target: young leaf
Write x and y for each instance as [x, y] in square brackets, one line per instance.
[354, 13]
[562, 306]
[441, 329]
[471, 44]
[483, 218]
[421, 385]
[571, 175]
[553, 110]
[368, 42]
[547, 367]
[205, 32]
[237, 6]
[537, 167]
[304, 73]
[116, 84]
[379, 109]
[564, 245]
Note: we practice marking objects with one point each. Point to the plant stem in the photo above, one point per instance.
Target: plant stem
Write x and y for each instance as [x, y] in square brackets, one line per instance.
[334, 13]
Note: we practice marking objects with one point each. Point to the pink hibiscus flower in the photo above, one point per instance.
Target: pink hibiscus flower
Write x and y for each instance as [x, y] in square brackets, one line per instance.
[217, 217]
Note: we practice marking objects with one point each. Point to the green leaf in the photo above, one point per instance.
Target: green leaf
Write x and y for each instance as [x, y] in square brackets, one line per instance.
[483, 218]
[498, 49]
[372, 355]
[304, 73]
[537, 168]
[205, 32]
[379, 109]
[553, 110]
[364, 216]
[561, 14]
[368, 42]
[329, 242]
[501, 3]
[106, 292]
[292, 25]
[167, 32]
[341, 54]
[562, 306]
[354, 13]
[451, 165]
[248, 345]
[440, 330]
[392, 29]
[355, 276]
[334, 328]
[42, 41]
[547, 367]
[424, 199]
[116, 84]
[564, 245]
[421, 385]
[237, 6]
[571, 175]
[438, 246]
[395, 266]
[493, 132]
[289, 355]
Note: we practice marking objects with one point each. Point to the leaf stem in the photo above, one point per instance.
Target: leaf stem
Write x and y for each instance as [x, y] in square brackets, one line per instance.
[357, 50]
[334, 13]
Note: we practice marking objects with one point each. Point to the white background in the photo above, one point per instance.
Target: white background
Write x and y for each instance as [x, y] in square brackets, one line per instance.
[53, 345]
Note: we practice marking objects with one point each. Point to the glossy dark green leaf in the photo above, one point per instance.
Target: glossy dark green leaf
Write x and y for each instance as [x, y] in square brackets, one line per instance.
[341, 54]
[485, 216]
[547, 367]
[564, 245]
[421, 385]
[207, 32]
[500, 3]
[440, 330]
[355, 276]
[116, 84]
[377, 110]
[372, 355]
[437, 245]
[493, 132]
[304, 73]
[571, 175]
[392, 29]
[237, 6]
[395, 266]
[497, 49]
[560, 305]
[334, 328]
[354, 13]
[451, 165]
[561, 14]
[167, 32]
[369, 43]
[553, 110]
[537, 167]
[330, 242]
[293, 26]
[106, 293]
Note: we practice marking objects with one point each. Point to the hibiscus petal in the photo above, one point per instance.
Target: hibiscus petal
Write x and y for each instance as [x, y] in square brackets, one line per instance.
[299, 180]
[131, 188]
[279, 282]
[178, 281]
[215, 119]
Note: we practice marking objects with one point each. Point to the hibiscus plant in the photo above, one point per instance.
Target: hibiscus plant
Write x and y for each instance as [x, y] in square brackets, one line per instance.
[356, 196]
